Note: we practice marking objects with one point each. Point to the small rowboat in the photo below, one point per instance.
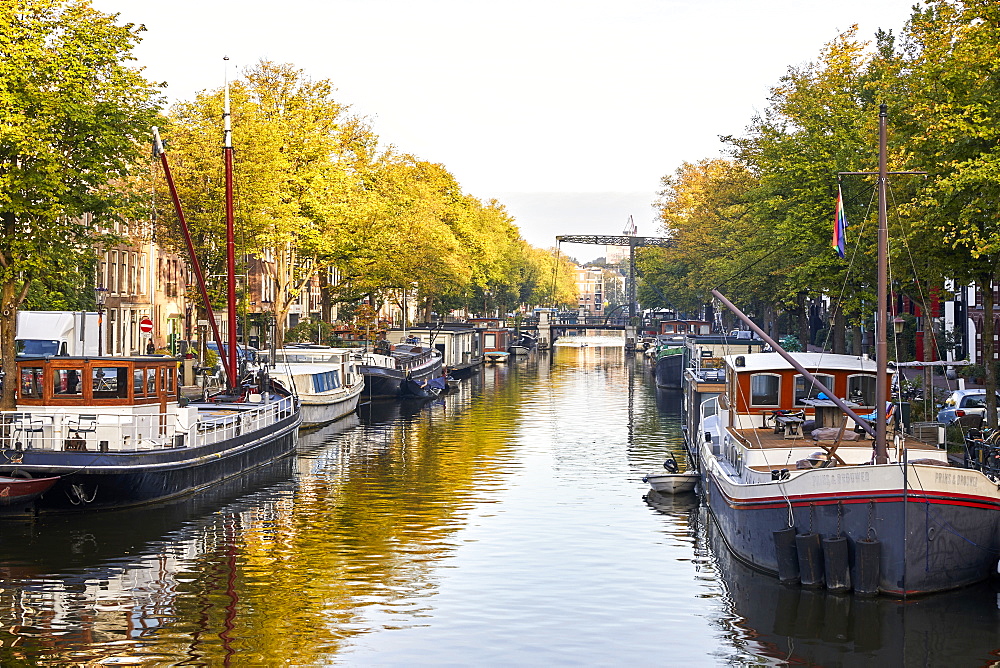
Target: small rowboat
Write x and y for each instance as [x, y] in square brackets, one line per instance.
[15, 493]
[672, 483]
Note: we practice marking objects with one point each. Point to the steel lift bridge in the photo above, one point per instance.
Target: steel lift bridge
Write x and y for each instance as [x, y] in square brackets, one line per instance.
[632, 242]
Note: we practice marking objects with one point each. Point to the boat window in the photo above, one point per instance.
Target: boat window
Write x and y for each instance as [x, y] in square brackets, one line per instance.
[805, 389]
[861, 389]
[324, 382]
[151, 381]
[31, 382]
[110, 382]
[137, 382]
[67, 382]
[764, 389]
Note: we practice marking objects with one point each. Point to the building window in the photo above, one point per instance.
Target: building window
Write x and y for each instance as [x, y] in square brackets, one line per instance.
[113, 272]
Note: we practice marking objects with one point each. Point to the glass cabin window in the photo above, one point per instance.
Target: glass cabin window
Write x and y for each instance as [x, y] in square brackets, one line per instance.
[861, 389]
[764, 388]
[151, 381]
[67, 382]
[110, 382]
[137, 383]
[805, 389]
[31, 382]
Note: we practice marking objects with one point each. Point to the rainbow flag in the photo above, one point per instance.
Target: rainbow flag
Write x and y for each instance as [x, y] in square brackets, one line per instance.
[840, 225]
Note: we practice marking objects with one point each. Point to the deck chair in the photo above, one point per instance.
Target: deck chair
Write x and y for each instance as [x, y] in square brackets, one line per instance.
[78, 429]
[27, 425]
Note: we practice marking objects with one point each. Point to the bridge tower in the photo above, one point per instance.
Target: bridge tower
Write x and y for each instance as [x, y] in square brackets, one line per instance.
[632, 242]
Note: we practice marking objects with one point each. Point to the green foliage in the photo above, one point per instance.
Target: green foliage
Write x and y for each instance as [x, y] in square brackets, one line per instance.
[74, 118]
[791, 344]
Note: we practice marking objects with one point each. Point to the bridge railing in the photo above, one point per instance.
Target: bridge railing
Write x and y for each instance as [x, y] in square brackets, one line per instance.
[579, 321]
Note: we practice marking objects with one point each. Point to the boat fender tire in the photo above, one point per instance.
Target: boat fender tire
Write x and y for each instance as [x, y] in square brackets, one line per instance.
[810, 553]
[787, 556]
[836, 564]
[867, 564]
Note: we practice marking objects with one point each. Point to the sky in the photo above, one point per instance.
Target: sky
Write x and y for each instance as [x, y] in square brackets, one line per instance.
[567, 112]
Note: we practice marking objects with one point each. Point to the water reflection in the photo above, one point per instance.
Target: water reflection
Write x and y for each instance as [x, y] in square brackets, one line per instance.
[102, 587]
[770, 622]
[501, 524]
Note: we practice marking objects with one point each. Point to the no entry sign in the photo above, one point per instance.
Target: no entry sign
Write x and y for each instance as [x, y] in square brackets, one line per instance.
[146, 326]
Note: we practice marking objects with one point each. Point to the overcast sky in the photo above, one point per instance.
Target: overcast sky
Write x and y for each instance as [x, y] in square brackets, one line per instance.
[568, 112]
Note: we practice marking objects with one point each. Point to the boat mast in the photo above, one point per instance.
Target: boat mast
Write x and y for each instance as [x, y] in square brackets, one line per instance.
[195, 264]
[227, 149]
[881, 347]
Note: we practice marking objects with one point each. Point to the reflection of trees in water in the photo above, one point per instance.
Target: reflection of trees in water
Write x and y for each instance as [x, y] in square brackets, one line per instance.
[299, 570]
[113, 585]
[371, 524]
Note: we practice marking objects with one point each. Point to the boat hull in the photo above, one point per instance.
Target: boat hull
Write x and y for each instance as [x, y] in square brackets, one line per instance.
[109, 480]
[465, 370]
[930, 539]
[672, 483]
[669, 371]
[316, 412]
[18, 494]
[386, 383]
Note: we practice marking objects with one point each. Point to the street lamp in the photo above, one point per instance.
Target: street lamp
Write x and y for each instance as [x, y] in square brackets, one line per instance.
[102, 298]
[897, 325]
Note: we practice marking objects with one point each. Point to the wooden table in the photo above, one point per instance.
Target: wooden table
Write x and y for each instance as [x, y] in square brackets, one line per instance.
[829, 414]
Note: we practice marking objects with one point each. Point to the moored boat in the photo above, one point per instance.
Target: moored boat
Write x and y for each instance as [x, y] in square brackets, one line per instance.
[114, 431]
[17, 494]
[399, 371]
[673, 483]
[326, 380]
[919, 525]
[669, 366]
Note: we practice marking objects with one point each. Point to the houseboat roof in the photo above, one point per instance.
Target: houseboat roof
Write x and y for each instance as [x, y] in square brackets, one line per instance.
[811, 361]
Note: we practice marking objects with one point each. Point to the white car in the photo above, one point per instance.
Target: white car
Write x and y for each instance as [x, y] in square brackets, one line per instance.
[963, 402]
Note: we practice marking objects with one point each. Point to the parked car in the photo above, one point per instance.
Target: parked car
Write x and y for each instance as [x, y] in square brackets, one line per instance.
[961, 403]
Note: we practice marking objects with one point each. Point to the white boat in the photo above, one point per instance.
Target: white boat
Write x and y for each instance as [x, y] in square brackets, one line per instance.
[326, 380]
[673, 483]
[496, 356]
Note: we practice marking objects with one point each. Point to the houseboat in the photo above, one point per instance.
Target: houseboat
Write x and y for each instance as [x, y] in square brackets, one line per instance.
[116, 433]
[326, 380]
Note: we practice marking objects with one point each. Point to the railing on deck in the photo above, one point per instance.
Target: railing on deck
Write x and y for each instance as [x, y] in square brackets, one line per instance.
[105, 432]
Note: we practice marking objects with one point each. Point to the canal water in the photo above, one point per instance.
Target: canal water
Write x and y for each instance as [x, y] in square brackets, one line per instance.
[505, 524]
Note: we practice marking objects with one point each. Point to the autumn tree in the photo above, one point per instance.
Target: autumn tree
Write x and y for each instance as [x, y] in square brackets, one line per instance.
[287, 130]
[76, 116]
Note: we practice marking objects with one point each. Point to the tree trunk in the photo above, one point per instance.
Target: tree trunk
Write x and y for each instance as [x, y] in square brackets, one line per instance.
[8, 351]
[986, 285]
[856, 340]
[326, 301]
[839, 331]
[11, 297]
[928, 348]
[802, 313]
